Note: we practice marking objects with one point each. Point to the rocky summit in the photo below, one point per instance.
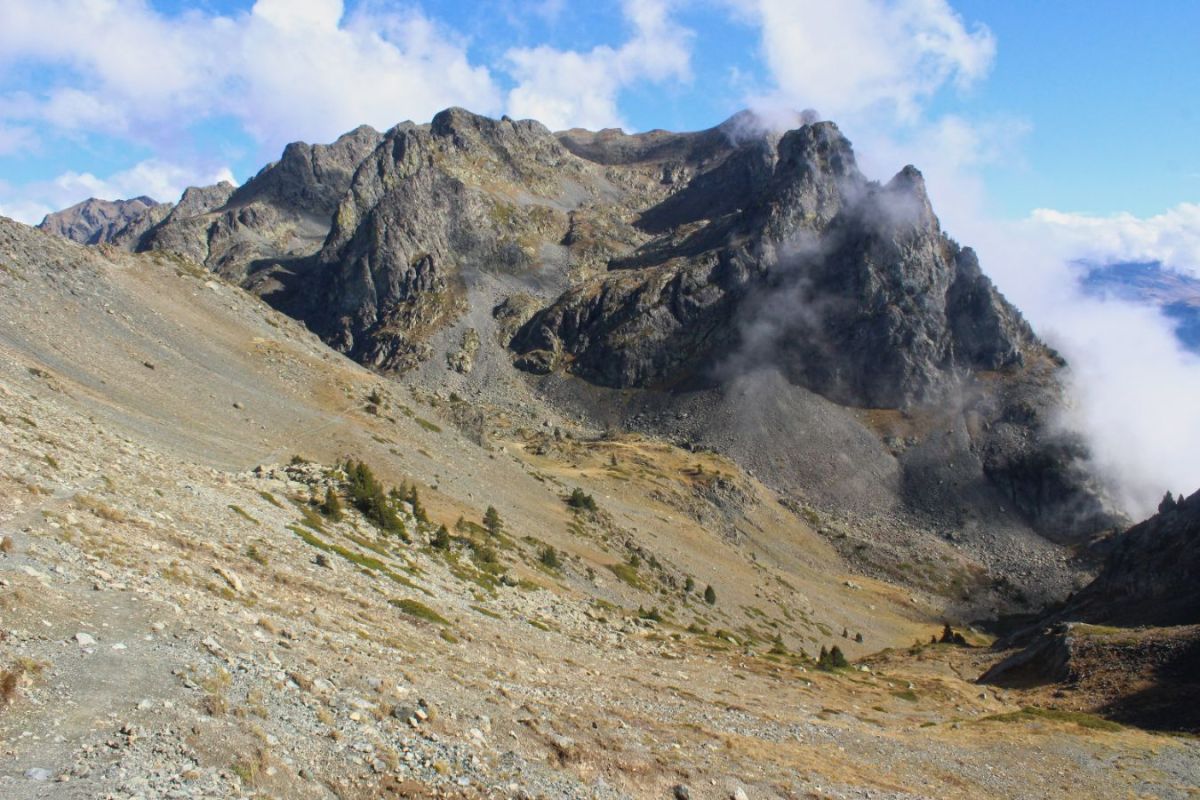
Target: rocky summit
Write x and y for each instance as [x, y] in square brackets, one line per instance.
[470, 460]
[95, 221]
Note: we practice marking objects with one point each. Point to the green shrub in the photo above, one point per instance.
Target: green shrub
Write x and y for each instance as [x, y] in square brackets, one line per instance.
[710, 595]
[581, 501]
[549, 558]
[830, 660]
[418, 510]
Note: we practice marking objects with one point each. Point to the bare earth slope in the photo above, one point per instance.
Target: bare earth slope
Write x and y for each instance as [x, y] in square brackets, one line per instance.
[180, 618]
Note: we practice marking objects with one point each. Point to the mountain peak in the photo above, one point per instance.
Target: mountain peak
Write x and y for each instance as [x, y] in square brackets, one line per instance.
[94, 220]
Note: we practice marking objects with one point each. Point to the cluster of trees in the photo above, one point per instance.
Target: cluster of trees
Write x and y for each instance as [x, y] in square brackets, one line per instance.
[830, 660]
[378, 505]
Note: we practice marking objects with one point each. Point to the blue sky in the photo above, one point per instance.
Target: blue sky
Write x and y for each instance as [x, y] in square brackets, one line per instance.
[1079, 106]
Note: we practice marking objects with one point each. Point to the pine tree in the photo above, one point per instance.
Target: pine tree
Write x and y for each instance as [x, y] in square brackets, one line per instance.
[491, 521]
[418, 510]
[332, 505]
[710, 595]
[836, 658]
[441, 539]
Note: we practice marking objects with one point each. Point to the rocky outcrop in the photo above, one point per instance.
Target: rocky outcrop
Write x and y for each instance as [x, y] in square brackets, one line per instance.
[183, 231]
[1130, 640]
[795, 259]
[1151, 575]
[99, 221]
[281, 214]
[430, 209]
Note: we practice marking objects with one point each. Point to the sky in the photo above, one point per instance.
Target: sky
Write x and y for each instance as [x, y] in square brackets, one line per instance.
[1048, 132]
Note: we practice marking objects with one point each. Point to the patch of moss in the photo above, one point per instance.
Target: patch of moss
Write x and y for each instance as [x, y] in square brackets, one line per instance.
[270, 498]
[241, 512]
[1029, 713]
[427, 425]
[486, 612]
[628, 574]
[419, 610]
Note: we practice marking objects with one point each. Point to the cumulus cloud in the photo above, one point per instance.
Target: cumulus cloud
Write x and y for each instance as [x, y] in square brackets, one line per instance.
[161, 180]
[286, 69]
[859, 56]
[566, 88]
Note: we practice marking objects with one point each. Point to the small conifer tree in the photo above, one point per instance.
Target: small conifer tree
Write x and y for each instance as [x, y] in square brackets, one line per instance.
[710, 595]
[332, 505]
[441, 539]
[837, 659]
[491, 521]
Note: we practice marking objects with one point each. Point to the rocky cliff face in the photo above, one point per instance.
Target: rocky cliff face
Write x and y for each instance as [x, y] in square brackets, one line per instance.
[1128, 644]
[785, 254]
[1151, 575]
[96, 221]
[281, 214]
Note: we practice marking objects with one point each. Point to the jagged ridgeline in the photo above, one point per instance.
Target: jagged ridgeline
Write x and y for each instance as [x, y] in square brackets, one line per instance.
[738, 288]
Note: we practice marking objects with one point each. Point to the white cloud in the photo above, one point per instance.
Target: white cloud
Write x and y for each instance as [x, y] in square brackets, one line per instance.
[16, 139]
[865, 56]
[1172, 237]
[158, 179]
[1132, 383]
[287, 69]
[565, 88]
[873, 66]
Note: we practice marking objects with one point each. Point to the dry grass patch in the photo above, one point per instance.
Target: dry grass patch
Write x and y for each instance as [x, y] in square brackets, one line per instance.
[101, 509]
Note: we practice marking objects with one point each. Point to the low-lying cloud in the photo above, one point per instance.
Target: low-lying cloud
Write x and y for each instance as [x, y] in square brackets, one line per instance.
[1133, 384]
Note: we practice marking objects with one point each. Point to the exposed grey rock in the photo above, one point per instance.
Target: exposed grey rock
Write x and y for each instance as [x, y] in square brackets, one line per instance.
[850, 287]
[281, 214]
[97, 221]
[1151, 575]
